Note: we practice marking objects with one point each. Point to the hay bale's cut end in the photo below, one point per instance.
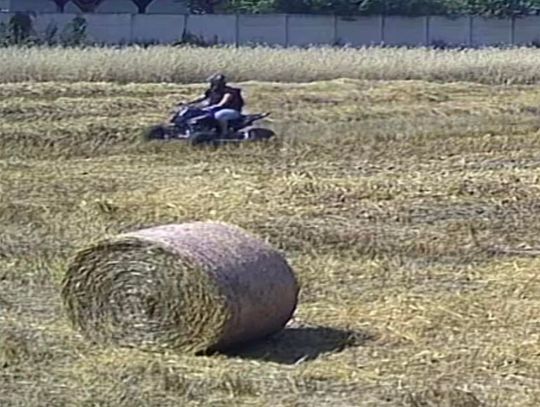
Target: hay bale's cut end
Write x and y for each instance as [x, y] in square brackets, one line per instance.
[192, 287]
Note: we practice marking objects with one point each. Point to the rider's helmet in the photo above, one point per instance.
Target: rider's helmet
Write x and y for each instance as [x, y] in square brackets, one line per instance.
[217, 80]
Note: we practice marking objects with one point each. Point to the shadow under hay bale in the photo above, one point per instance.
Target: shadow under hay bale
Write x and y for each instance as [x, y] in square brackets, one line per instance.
[192, 287]
[299, 344]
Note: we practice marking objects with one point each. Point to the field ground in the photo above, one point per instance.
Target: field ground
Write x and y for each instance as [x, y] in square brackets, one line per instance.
[409, 209]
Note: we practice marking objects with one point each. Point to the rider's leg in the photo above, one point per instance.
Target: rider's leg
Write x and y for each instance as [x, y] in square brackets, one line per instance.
[223, 116]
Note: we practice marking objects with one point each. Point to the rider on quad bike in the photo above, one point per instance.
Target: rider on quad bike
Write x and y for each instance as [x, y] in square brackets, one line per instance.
[224, 102]
[219, 110]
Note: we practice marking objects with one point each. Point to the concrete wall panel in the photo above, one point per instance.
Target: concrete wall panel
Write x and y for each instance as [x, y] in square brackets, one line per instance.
[109, 28]
[450, 31]
[491, 31]
[527, 30]
[262, 29]
[300, 30]
[405, 30]
[43, 22]
[311, 30]
[359, 31]
[160, 28]
[213, 28]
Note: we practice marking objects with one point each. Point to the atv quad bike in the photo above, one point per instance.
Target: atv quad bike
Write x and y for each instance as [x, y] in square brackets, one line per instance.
[198, 126]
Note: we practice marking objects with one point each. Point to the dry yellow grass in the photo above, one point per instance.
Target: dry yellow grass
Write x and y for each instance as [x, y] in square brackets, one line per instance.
[409, 210]
[189, 64]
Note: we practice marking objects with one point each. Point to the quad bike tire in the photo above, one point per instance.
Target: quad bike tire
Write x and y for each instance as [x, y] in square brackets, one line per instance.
[163, 132]
[157, 132]
[201, 138]
[257, 133]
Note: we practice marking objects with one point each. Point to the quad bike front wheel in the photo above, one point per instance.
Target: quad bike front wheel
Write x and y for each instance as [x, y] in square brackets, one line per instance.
[163, 132]
[157, 132]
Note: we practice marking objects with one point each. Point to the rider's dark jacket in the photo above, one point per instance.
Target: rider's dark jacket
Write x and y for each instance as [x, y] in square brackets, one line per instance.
[215, 95]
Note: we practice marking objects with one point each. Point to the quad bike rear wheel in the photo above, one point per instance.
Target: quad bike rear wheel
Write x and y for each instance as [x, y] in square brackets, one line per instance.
[257, 133]
[201, 138]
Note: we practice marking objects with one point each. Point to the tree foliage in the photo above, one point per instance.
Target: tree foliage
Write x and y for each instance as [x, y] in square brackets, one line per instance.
[87, 6]
[142, 5]
[205, 6]
[501, 8]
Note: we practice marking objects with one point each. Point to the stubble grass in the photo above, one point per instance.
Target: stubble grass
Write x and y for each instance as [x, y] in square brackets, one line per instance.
[168, 64]
[409, 210]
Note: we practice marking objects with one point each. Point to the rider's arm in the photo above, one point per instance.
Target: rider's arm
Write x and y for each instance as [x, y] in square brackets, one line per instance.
[198, 100]
[224, 100]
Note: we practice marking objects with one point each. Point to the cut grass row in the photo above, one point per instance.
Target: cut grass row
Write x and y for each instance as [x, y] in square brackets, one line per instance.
[388, 198]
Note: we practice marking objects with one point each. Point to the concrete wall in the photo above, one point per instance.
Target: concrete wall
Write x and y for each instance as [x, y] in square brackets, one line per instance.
[157, 28]
[527, 30]
[359, 31]
[109, 28]
[213, 28]
[301, 30]
[311, 30]
[491, 31]
[454, 31]
[262, 29]
[60, 20]
[405, 30]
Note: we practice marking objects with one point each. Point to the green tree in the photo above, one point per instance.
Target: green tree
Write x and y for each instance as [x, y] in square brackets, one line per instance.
[409, 7]
[252, 6]
[61, 4]
[87, 6]
[502, 8]
[204, 6]
[142, 4]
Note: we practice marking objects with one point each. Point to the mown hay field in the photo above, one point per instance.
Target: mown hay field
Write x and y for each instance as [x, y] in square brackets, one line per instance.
[408, 207]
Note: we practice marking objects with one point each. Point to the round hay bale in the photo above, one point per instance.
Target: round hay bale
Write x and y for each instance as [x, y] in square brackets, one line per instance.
[192, 287]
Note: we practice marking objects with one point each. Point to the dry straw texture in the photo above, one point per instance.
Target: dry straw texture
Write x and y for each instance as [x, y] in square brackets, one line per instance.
[188, 65]
[192, 287]
[389, 199]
